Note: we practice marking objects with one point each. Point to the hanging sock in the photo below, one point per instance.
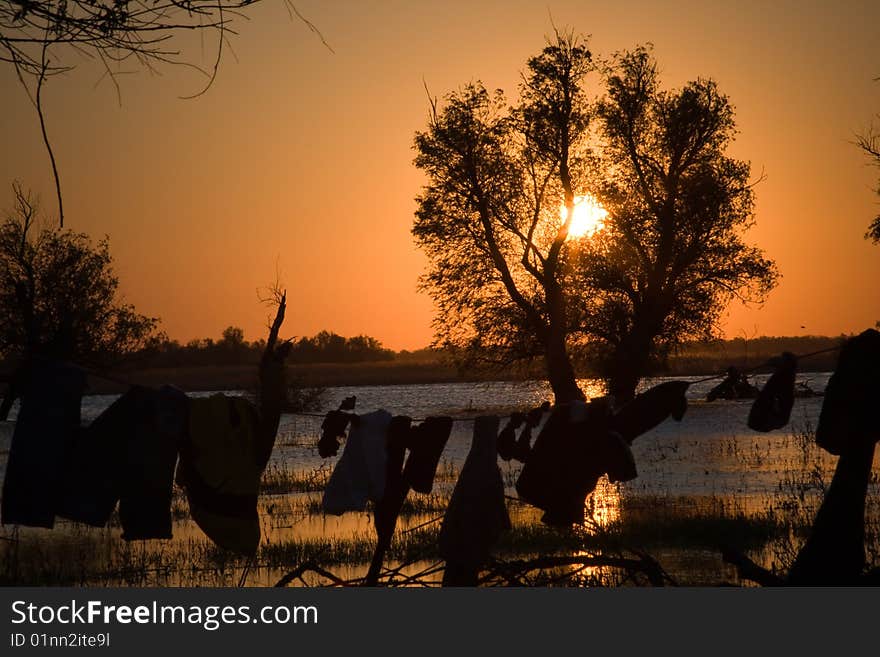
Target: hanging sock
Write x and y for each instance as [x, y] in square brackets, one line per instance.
[359, 474]
[427, 442]
[650, 408]
[44, 436]
[332, 429]
[476, 515]
[772, 407]
[220, 471]
[849, 415]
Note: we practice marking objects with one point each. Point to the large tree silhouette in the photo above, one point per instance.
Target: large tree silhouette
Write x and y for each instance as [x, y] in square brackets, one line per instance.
[509, 279]
[672, 254]
[489, 216]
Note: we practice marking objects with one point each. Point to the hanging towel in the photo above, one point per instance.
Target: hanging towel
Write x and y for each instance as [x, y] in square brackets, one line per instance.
[849, 413]
[476, 515]
[220, 470]
[359, 474]
[650, 408]
[44, 435]
[542, 468]
[772, 407]
[427, 442]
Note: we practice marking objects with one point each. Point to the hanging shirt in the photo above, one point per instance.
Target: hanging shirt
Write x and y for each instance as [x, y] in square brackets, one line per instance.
[476, 515]
[359, 474]
[220, 468]
[127, 454]
[45, 432]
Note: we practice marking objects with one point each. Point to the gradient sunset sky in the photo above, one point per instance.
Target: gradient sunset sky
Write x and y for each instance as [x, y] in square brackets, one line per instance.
[302, 159]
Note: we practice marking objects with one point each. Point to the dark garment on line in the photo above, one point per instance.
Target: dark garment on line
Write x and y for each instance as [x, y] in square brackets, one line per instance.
[221, 465]
[772, 407]
[359, 474]
[650, 408]
[127, 454]
[507, 437]
[523, 446]
[427, 441]
[332, 429]
[476, 515]
[621, 464]
[388, 508]
[575, 448]
[45, 431]
[851, 409]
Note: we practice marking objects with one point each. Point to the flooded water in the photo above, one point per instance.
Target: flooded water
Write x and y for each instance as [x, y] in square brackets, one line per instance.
[709, 463]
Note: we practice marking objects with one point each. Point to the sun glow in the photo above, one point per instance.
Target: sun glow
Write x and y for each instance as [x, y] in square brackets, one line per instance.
[589, 216]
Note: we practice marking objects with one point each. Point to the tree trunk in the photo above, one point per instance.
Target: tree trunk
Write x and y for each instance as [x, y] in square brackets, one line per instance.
[560, 372]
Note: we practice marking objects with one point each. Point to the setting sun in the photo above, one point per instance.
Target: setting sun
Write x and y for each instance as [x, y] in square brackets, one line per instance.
[589, 216]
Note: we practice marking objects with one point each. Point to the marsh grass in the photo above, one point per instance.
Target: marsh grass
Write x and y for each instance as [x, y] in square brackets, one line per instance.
[684, 532]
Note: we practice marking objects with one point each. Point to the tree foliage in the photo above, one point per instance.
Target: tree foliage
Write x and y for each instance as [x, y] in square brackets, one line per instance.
[672, 255]
[509, 280]
[109, 30]
[869, 142]
[59, 294]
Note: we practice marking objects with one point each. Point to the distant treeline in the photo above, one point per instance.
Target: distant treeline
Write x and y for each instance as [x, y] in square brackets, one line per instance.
[233, 349]
[330, 348]
[746, 353]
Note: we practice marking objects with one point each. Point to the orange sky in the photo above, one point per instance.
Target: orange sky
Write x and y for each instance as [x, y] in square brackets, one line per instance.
[303, 158]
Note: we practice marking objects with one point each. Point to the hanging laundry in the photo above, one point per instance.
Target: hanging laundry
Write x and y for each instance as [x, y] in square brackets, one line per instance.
[332, 429]
[650, 408]
[772, 407]
[575, 448]
[45, 432]
[427, 442]
[388, 508]
[524, 443]
[621, 464]
[220, 471]
[507, 437]
[127, 454]
[849, 413]
[476, 515]
[359, 474]
[158, 428]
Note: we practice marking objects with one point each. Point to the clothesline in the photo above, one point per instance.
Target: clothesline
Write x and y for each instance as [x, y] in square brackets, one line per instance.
[714, 377]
